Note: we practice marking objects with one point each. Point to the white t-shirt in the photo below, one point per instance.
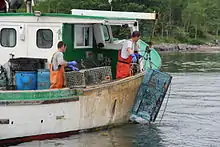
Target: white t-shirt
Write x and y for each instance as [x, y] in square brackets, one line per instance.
[57, 60]
[124, 52]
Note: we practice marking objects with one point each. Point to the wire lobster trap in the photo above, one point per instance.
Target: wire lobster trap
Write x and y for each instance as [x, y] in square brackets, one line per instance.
[87, 77]
[150, 96]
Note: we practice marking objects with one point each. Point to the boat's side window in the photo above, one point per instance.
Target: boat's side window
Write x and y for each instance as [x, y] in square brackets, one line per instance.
[83, 36]
[106, 32]
[8, 37]
[44, 38]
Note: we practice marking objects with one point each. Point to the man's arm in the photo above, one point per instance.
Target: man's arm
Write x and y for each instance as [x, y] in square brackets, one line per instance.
[61, 61]
[130, 50]
[129, 47]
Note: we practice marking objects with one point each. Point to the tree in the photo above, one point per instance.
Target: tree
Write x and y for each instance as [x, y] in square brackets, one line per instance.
[179, 19]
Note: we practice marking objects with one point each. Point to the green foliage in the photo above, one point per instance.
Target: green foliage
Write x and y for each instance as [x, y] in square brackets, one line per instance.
[187, 21]
[195, 41]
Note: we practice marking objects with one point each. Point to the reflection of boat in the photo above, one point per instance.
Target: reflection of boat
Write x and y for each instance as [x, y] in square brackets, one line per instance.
[40, 114]
[126, 136]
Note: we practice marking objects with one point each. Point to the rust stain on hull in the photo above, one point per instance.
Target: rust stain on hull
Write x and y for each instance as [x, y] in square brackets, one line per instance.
[109, 104]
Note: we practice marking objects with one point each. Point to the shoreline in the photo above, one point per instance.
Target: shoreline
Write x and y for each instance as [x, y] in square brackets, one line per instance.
[186, 48]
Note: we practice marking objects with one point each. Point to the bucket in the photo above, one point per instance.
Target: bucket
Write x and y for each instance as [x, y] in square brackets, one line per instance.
[43, 79]
[26, 80]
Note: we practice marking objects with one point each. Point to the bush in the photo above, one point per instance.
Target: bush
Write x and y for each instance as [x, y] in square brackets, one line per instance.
[180, 34]
[195, 41]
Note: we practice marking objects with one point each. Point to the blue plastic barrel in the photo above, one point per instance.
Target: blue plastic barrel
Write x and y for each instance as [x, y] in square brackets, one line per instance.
[43, 79]
[26, 80]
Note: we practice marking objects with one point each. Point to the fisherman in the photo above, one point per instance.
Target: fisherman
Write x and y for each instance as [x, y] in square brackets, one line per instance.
[126, 56]
[57, 67]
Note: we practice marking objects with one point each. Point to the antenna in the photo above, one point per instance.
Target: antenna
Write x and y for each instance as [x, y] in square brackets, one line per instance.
[7, 6]
[29, 6]
[110, 2]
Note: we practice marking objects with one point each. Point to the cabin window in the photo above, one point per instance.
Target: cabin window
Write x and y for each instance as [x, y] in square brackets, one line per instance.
[44, 38]
[8, 37]
[83, 36]
[117, 31]
[106, 33]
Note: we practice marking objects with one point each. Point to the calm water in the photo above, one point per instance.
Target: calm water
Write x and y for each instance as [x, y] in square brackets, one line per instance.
[192, 117]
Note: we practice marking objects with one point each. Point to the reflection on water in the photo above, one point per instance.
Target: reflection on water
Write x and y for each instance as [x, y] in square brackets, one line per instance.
[126, 136]
[191, 62]
[192, 116]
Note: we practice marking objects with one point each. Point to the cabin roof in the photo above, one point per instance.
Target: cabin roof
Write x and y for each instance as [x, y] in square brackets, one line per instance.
[66, 16]
[115, 14]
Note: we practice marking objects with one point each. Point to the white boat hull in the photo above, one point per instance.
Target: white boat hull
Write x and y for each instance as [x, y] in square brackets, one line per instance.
[99, 106]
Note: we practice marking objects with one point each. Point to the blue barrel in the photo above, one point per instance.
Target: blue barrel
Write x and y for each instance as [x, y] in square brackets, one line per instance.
[26, 80]
[43, 79]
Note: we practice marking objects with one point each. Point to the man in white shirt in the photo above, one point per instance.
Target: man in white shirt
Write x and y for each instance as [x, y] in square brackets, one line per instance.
[126, 56]
[130, 46]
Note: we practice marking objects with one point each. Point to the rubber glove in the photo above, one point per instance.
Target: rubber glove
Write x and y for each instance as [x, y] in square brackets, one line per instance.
[72, 63]
[73, 68]
[138, 55]
[134, 58]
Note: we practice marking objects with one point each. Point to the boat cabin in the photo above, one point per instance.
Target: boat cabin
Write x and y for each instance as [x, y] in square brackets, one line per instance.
[87, 33]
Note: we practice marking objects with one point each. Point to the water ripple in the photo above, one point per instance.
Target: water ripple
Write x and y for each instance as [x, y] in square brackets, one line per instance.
[195, 109]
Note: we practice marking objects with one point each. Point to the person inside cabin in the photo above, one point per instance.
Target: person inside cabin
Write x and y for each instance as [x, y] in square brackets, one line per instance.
[149, 47]
[142, 58]
[127, 55]
[57, 66]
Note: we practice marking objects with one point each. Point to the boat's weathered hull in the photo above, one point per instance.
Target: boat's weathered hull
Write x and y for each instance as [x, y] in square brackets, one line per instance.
[97, 106]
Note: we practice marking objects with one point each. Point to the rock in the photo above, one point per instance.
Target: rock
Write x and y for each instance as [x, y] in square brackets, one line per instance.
[175, 47]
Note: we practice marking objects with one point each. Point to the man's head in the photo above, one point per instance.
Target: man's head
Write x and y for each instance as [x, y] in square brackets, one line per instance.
[150, 44]
[61, 46]
[135, 36]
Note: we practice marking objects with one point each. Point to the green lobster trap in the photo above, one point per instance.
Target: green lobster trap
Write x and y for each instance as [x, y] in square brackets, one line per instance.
[150, 96]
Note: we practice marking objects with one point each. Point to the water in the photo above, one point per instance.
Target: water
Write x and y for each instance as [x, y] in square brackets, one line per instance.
[191, 62]
[191, 119]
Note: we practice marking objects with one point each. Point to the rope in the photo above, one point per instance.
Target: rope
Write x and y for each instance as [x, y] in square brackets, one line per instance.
[149, 58]
[166, 104]
[132, 68]
[149, 61]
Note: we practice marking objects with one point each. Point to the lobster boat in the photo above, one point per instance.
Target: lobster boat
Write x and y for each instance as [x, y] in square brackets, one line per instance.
[93, 97]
